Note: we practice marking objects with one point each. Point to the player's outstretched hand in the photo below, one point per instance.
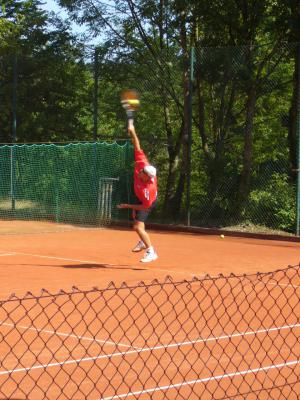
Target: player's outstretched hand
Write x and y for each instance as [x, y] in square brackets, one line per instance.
[122, 205]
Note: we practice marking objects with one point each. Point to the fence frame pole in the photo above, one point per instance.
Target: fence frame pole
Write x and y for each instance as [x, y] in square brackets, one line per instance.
[298, 139]
[190, 121]
[96, 86]
[14, 130]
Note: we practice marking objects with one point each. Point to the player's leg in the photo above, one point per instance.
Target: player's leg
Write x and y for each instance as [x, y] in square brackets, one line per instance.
[150, 254]
[139, 218]
[139, 227]
[140, 244]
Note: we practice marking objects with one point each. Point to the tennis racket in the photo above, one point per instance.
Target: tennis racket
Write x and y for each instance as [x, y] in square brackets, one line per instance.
[130, 101]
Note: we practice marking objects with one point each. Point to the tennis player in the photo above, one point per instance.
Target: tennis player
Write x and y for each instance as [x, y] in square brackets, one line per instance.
[145, 188]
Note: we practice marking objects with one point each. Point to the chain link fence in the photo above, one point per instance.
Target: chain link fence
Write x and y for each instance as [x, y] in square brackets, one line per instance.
[212, 338]
[75, 183]
[243, 174]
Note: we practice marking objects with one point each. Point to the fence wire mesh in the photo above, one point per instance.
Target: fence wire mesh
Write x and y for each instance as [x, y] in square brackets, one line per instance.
[76, 183]
[212, 338]
[243, 155]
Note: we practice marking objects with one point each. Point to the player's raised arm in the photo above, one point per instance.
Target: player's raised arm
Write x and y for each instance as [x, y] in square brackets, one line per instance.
[134, 137]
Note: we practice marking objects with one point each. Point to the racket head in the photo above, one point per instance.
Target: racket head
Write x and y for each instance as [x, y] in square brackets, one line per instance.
[130, 100]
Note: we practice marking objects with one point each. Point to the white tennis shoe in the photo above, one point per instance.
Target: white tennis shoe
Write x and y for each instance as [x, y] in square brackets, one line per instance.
[139, 247]
[149, 256]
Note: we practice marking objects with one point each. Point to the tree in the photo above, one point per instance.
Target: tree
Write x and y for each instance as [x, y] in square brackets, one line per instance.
[54, 85]
[231, 79]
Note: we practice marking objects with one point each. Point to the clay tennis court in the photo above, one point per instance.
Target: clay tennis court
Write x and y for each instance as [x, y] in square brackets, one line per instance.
[188, 336]
[61, 257]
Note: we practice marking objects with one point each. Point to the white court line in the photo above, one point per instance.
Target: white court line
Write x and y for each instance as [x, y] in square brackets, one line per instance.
[284, 284]
[59, 258]
[147, 349]
[202, 380]
[7, 254]
[68, 335]
[97, 262]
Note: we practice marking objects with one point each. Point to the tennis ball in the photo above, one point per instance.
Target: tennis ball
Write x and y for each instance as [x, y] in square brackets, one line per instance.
[133, 102]
[222, 236]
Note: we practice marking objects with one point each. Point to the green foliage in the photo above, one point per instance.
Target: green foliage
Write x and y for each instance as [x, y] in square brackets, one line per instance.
[54, 86]
[274, 205]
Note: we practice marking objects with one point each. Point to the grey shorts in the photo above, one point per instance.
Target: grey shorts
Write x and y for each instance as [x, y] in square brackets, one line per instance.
[142, 215]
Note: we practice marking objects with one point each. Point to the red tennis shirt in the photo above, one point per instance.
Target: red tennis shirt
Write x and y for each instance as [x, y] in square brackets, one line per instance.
[146, 192]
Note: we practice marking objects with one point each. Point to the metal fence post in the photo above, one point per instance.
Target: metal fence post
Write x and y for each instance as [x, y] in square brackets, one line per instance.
[14, 130]
[298, 138]
[96, 78]
[190, 108]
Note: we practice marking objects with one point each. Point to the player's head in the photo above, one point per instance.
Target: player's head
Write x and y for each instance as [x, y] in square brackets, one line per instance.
[148, 173]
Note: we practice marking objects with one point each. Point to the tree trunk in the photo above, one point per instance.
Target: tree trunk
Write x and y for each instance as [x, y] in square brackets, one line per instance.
[183, 139]
[177, 201]
[201, 115]
[244, 185]
[173, 152]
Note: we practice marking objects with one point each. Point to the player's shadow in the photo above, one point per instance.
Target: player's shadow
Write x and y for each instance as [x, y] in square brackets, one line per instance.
[102, 266]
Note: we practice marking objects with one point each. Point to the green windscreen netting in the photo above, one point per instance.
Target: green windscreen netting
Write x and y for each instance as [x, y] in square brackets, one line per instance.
[76, 183]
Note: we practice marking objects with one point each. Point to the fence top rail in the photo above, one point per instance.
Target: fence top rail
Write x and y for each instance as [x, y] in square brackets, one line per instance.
[168, 280]
[113, 142]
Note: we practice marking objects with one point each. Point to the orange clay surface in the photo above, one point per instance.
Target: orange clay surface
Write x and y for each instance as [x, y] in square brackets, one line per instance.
[65, 256]
[42, 355]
